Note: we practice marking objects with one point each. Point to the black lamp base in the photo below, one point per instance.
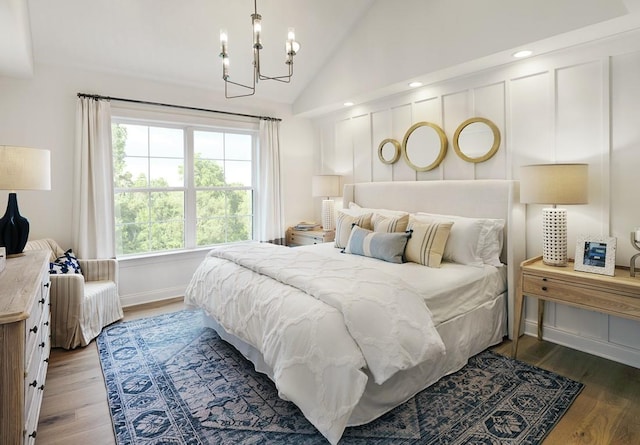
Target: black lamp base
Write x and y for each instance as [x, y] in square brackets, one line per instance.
[14, 228]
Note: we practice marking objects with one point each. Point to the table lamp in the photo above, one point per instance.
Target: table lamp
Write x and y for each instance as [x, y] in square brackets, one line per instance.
[555, 184]
[21, 168]
[326, 186]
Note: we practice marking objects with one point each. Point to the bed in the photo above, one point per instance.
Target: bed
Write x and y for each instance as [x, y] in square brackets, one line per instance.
[347, 337]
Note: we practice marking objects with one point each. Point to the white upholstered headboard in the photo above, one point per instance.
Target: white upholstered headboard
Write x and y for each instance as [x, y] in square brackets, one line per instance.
[488, 198]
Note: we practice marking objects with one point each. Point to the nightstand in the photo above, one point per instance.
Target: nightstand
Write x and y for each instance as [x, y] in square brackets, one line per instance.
[617, 295]
[307, 237]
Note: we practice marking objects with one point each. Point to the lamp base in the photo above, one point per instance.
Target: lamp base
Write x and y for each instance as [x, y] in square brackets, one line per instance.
[14, 228]
[328, 215]
[554, 237]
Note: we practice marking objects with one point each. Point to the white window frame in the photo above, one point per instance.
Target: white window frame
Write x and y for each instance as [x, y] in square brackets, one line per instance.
[191, 123]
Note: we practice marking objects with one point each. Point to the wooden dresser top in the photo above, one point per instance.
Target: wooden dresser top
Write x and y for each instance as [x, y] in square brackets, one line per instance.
[19, 284]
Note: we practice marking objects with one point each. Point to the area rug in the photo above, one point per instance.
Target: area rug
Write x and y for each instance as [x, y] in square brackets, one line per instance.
[172, 381]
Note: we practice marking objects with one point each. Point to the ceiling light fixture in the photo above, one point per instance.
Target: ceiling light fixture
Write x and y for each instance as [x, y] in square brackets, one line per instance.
[348, 104]
[415, 84]
[522, 53]
[291, 48]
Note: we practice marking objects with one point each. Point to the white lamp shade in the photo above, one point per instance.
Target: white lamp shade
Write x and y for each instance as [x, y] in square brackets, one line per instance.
[23, 168]
[554, 184]
[325, 185]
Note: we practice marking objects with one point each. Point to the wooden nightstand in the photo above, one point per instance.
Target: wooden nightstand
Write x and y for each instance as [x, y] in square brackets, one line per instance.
[307, 237]
[618, 295]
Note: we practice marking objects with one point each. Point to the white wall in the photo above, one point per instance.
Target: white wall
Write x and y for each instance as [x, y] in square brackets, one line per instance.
[396, 42]
[579, 105]
[40, 113]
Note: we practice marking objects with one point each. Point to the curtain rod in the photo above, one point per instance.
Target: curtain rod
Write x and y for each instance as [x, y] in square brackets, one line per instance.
[184, 107]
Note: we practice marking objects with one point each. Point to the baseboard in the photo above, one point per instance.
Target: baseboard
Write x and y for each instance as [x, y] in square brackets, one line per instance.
[599, 347]
[151, 296]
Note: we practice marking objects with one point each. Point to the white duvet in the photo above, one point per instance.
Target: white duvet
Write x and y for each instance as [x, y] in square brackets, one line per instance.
[317, 321]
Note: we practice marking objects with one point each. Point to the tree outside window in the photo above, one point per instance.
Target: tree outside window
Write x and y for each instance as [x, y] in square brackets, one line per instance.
[178, 187]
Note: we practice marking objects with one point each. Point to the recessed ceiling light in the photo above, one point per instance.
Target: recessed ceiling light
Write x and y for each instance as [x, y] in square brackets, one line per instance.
[415, 84]
[522, 53]
[348, 104]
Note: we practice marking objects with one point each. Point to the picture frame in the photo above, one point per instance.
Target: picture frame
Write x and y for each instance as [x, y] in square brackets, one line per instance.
[596, 254]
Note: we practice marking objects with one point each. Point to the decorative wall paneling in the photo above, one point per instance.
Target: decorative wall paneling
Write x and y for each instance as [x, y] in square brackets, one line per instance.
[575, 106]
[624, 166]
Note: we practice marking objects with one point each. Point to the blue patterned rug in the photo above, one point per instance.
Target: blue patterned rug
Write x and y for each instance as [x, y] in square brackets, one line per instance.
[171, 381]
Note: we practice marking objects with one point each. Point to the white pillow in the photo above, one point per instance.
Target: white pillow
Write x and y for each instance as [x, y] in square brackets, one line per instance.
[472, 241]
[384, 212]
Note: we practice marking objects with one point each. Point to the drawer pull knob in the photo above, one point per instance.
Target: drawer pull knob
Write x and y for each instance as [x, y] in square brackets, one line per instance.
[544, 288]
[41, 387]
[42, 345]
[33, 435]
[46, 360]
[47, 284]
[544, 279]
[46, 323]
[34, 383]
[34, 329]
[41, 301]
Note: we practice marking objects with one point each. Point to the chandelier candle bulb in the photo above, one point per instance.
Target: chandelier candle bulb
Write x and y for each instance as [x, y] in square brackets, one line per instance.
[224, 38]
[257, 29]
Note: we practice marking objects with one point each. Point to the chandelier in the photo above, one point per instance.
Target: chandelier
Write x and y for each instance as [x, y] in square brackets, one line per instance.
[291, 48]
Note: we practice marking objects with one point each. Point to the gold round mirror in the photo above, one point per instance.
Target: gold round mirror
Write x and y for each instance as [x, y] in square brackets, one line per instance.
[476, 139]
[424, 146]
[389, 151]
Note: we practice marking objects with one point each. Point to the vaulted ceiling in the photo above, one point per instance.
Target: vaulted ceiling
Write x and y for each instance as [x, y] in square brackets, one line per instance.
[348, 47]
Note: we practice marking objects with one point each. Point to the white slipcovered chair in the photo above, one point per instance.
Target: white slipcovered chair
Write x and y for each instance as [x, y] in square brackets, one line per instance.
[81, 304]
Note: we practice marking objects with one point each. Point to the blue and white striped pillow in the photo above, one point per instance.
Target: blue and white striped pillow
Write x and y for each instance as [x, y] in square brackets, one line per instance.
[381, 245]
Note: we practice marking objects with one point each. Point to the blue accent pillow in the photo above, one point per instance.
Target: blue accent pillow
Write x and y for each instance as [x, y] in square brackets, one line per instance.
[383, 246]
[67, 263]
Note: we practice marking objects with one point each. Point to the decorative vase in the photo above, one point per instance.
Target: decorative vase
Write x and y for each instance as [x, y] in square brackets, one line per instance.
[14, 228]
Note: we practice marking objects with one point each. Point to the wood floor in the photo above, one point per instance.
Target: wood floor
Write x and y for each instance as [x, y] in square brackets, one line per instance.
[74, 409]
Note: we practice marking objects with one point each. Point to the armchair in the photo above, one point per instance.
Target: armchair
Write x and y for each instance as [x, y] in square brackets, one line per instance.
[81, 304]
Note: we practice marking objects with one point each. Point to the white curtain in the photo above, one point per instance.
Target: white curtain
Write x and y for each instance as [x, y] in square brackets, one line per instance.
[271, 223]
[93, 214]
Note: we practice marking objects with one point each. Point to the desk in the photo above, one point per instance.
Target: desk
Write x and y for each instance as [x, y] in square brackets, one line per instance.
[617, 295]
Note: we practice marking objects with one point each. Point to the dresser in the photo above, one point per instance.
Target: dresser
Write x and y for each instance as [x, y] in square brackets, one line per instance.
[306, 237]
[617, 295]
[24, 344]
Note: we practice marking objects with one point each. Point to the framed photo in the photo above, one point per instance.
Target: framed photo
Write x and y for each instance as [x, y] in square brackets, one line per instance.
[596, 254]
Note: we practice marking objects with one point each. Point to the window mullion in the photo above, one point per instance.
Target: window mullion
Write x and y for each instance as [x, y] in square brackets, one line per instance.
[190, 223]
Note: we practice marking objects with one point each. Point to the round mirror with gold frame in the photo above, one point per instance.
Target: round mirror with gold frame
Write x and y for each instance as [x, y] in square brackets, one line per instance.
[476, 139]
[424, 146]
[389, 151]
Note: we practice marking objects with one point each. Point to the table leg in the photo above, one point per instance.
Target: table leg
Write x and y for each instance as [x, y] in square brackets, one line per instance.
[540, 317]
[519, 300]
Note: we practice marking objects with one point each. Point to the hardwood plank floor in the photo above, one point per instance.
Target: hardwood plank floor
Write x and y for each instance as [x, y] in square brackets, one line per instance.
[75, 412]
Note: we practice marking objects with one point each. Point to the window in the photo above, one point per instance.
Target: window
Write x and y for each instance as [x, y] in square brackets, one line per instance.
[181, 187]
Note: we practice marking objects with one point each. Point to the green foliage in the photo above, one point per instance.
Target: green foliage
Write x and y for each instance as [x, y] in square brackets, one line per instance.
[149, 221]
